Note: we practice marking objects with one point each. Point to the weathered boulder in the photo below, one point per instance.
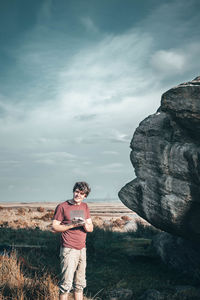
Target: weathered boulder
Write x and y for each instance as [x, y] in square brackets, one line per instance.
[183, 102]
[178, 253]
[166, 157]
[152, 295]
[120, 294]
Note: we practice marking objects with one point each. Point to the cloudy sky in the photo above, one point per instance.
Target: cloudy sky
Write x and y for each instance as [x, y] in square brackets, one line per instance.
[76, 78]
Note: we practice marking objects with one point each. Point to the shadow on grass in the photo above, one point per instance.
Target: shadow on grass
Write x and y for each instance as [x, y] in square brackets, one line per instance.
[114, 259]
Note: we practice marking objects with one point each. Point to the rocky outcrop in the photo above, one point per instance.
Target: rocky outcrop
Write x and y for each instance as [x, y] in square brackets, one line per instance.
[178, 253]
[166, 157]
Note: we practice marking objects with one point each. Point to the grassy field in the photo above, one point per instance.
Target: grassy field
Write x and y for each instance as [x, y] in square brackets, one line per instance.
[115, 260]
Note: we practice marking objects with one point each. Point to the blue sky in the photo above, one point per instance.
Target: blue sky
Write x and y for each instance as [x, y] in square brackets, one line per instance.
[76, 78]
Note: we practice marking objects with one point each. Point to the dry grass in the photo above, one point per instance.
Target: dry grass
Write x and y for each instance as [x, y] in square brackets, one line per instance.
[116, 260]
[112, 217]
[48, 216]
[41, 217]
[119, 223]
[16, 284]
[126, 218]
[21, 211]
[21, 217]
[40, 209]
[10, 274]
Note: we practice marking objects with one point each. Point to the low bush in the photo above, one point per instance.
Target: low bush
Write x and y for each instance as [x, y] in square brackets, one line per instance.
[40, 209]
[21, 211]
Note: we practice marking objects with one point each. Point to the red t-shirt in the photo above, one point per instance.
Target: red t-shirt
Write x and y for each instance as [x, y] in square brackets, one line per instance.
[75, 237]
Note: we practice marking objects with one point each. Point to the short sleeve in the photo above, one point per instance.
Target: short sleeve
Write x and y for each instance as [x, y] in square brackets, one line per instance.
[58, 214]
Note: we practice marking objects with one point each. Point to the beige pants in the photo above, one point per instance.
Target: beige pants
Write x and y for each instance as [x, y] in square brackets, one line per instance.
[73, 265]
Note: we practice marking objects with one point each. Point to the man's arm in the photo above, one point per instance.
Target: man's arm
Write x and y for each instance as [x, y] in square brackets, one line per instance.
[88, 225]
[57, 227]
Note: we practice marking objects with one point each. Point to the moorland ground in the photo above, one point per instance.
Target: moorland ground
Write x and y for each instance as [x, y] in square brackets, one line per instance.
[117, 259]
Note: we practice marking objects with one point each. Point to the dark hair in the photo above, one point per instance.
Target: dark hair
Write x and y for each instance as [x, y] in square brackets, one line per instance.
[82, 186]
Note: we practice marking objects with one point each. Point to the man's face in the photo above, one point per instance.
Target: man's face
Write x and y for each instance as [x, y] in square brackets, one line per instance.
[78, 196]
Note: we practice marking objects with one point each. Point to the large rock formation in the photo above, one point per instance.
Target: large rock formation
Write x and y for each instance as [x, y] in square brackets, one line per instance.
[166, 157]
[179, 254]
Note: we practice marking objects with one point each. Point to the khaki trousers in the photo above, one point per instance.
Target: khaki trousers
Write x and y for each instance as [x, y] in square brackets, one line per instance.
[73, 266]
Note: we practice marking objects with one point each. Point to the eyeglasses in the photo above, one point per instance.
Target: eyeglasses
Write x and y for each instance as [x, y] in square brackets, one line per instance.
[80, 192]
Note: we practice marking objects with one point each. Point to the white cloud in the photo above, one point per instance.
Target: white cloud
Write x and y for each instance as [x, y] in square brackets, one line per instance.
[109, 152]
[111, 168]
[180, 61]
[9, 162]
[91, 97]
[120, 137]
[53, 158]
[94, 85]
[89, 24]
[168, 61]
[94, 77]
[80, 172]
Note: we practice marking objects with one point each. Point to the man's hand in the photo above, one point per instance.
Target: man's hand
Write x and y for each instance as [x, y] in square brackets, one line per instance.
[58, 227]
[88, 225]
[78, 221]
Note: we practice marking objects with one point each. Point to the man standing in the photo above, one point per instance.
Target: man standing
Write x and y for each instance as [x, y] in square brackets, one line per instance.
[72, 219]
